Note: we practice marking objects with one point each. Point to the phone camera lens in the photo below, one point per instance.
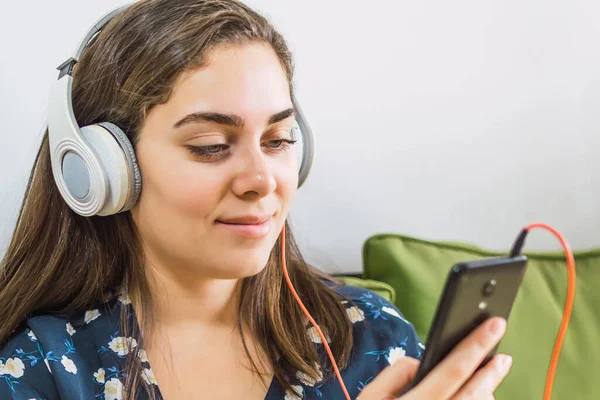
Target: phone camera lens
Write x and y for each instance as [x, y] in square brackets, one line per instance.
[489, 288]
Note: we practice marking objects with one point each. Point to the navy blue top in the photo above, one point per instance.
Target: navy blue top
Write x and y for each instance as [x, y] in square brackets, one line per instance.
[82, 357]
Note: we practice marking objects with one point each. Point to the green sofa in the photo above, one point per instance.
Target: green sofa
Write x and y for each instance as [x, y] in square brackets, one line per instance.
[411, 273]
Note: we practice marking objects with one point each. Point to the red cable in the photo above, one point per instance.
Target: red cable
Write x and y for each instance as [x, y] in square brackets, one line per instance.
[310, 318]
[560, 337]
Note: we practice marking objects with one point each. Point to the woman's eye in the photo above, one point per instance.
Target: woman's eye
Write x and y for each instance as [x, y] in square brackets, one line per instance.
[280, 144]
[219, 150]
[208, 152]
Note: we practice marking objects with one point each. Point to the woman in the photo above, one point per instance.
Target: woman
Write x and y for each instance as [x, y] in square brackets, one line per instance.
[183, 296]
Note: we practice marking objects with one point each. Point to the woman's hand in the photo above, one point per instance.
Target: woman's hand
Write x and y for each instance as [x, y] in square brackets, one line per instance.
[453, 378]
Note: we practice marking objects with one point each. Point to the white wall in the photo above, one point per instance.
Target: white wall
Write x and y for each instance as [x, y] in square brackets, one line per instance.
[460, 120]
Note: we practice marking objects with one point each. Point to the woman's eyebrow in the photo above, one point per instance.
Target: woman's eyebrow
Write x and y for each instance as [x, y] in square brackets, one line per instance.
[229, 119]
[219, 118]
[280, 116]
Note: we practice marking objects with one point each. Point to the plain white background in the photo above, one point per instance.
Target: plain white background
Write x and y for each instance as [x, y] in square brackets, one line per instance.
[460, 120]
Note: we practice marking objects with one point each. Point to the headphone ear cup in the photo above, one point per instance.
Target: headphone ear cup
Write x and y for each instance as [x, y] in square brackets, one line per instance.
[115, 153]
[304, 148]
[305, 144]
[299, 145]
[135, 177]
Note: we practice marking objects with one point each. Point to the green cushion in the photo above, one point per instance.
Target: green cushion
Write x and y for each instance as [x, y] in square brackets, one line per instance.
[417, 270]
[381, 288]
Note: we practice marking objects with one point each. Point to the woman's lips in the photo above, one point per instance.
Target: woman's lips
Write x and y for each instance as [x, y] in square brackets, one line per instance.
[257, 230]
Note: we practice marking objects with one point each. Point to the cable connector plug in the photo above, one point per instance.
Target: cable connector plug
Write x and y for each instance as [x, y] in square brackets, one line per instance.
[519, 243]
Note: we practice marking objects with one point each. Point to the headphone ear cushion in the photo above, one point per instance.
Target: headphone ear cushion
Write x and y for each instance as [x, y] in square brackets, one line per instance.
[299, 146]
[135, 184]
[305, 143]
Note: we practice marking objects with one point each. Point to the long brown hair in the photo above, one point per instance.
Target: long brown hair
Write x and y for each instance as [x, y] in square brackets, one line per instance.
[59, 262]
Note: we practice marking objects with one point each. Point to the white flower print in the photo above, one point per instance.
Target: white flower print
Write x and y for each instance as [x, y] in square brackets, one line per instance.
[91, 315]
[124, 298]
[355, 314]
[143, 356]
[99, 375]
[297, 393]
[391, 311]
[13, 366]
[70, 329]
[314, 336]
[395, 354]
[122, 345]
[421, 345]
[307, 380]
[148, 376]
[47, 365]
[113, 390]
[32, 335]
[69, 365]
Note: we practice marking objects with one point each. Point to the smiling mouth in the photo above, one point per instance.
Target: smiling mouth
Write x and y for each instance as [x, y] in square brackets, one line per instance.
[248, 219]
[249, 222]
[255, 227]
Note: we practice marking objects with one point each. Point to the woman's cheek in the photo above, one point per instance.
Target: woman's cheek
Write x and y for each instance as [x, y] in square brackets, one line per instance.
[196, 193]
[287, 183]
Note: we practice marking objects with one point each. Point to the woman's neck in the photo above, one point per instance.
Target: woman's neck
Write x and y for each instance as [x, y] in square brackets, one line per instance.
[192, 324]
[181, 297]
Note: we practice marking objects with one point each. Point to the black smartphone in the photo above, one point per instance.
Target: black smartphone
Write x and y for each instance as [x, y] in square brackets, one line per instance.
[474, 292]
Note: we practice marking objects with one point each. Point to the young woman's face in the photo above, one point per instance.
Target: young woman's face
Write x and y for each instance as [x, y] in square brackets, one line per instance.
[218, 170]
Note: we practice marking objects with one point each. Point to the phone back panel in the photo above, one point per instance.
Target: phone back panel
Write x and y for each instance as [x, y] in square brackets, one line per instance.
[466, 303]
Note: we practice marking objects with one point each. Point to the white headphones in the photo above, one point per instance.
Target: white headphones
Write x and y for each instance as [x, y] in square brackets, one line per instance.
[95, 167]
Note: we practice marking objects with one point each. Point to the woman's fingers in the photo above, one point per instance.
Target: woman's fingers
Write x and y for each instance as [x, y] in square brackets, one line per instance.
[485, 381]
[457, 368]
[391, 381]
[453, 378]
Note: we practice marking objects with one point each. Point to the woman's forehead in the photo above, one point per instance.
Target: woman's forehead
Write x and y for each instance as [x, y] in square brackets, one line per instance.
[242, 80]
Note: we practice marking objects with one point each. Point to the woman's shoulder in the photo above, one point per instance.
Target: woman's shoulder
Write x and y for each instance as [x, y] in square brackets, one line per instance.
[380, 329]
[25, 372]
[54, 356]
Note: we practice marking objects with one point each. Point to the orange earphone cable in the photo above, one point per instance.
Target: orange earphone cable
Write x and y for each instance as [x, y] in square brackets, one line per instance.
[560, 337]
[310, 318]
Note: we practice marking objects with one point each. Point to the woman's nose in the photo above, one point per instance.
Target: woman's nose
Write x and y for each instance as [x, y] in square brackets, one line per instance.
[254, 176]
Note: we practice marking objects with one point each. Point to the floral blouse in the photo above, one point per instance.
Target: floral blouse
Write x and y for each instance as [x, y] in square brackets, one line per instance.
[81, 357]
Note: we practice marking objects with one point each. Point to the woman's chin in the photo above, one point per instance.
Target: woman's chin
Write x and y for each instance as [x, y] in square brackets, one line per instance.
[242, 269]
[239, 273]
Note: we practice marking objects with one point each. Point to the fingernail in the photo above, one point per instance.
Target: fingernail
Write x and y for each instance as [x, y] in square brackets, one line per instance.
[497, 326]
[506, 362]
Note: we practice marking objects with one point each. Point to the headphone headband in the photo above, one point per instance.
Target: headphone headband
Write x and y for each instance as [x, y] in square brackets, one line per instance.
[67, 67]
